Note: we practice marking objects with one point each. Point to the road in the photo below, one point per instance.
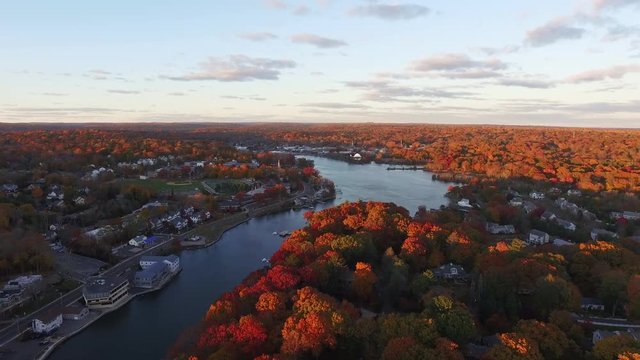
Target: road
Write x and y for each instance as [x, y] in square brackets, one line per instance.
[14, 330]
[11, 332]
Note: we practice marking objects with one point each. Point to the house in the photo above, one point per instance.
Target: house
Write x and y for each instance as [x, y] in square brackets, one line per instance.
[567, 225]
[529, 207]
[10, 188]
[79, 201]
[151, 276]
[172, 261]
[196, 218]
[599, 234]
[537, 237]
[516, 201]
[179, 223]
[450, 271]
[496, 229]
[465, 203]
[105, 292]
[23, 282]
[574, 192]
[10, 296]
[628, 215]
[591, 304]
[536, 195]
[138, 241]
[562, 242]
[54, 195]
[356, 157]
[548, 216]
[46, 324]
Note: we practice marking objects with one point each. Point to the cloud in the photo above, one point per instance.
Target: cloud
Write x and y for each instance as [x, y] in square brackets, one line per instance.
[390, 12]
[614, 72]
[532, 84]
[491, 51]
[318, 41]
[54, 94]
[275, 4]
[619, 32]
[177, 93]
[335, 105]
[258, 36]
[609, 4]
[238, 68]
[553, 31]
[301, 10]
[124, 92]
[458, 66]
[386, 91]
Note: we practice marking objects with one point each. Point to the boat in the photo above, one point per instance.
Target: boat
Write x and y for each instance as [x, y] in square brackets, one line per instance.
[275, 233]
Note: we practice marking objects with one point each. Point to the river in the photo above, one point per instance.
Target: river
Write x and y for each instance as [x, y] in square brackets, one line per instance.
[149, 325]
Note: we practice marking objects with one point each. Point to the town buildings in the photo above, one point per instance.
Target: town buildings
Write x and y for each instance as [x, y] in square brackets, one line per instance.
[105, 292]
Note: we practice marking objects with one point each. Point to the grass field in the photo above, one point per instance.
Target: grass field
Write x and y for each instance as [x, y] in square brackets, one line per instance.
[162, 186]
[228, 186]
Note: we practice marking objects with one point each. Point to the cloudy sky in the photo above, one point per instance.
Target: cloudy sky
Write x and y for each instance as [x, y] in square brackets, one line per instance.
[537, 62]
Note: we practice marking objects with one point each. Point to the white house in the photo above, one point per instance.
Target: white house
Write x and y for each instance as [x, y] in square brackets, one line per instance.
[138, 241]
[495, 229]
[356, 157]
[46, 324]
[79, 200]
[548, 216]
[516, 201]
[172, 261]
[567, 225]
[537, 237]
[536, 195]
[598, 234]
[465, 203]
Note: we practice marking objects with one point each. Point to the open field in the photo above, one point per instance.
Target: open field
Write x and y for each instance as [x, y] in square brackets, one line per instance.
[228, 186]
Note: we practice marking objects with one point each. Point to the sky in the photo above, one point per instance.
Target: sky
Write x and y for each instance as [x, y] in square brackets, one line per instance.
[525, 62]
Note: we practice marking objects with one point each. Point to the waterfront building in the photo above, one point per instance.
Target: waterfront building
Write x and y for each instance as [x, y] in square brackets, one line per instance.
[172, 261]
[105, 292]
[74, 312]
[151, 276]
[46, 324]
[138, 241]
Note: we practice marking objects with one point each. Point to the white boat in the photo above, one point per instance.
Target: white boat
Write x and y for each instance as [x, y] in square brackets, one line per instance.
[275, 233]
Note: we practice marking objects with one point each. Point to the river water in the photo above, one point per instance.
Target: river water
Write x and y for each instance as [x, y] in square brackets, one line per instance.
[149, 325]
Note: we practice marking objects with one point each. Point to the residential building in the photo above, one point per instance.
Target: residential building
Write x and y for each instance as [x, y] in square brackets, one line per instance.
[172, 261]
[465, 203]
[599, 234]
[496, 229]
[357, 157]
[537, 237]
[536, 195]
[151, 276]
[516, 201]
[23, 282]
[529, 207]
[179, 223]
[628, 215]
[548, 216]
[138, 241]
[567, 225]
[10, 188]
[79, 201]
[105, 292]
[562, 242]
[46, 324]
[591, 304]
[450, 271]
[574, 192]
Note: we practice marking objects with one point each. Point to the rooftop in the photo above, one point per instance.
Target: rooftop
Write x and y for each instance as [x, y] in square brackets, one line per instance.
[103, 284]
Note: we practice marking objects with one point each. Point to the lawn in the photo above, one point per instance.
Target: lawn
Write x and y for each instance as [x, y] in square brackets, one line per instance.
[228, 186]
[162, 186]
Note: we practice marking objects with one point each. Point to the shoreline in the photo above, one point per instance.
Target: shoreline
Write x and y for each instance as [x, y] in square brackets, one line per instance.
[50, 349]
[265, 210]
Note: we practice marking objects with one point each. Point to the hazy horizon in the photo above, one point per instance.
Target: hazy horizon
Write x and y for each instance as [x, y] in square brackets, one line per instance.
[530, 63]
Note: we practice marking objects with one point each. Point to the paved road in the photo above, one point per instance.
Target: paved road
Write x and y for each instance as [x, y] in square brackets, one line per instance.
[10, 332]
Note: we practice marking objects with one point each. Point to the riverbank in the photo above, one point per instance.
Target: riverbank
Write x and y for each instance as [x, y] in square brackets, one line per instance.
[215, 231]
[132, 295]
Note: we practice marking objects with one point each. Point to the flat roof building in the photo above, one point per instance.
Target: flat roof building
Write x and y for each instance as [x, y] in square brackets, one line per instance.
[151, 276]
[172, 261]
[105, 292]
